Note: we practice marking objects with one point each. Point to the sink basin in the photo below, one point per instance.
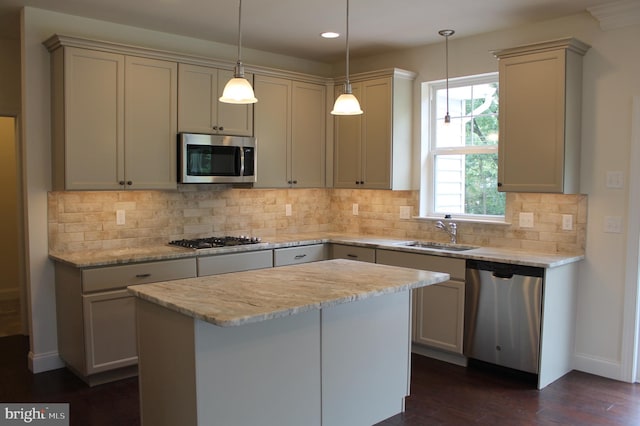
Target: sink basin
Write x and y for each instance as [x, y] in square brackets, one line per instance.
[430, 245]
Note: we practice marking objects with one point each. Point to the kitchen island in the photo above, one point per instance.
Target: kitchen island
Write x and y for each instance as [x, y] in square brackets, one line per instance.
[324, 343]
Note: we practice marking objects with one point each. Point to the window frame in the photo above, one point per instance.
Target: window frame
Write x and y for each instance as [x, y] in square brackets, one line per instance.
[429, 152]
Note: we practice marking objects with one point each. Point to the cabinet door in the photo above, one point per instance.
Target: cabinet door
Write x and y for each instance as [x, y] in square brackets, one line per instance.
[308, 139]
[93, 135]
[197, 105]
[273, 131]
[376, 134]
[439, 316]
[233, 119]
[110, 327]
[347, 154]
[150, 123]
[532, 107]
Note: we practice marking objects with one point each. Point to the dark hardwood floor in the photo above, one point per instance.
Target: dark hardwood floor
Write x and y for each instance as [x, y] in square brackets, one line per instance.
[441, 394]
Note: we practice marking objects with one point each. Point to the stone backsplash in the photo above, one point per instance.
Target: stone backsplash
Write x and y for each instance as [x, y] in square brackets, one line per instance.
[87, 220]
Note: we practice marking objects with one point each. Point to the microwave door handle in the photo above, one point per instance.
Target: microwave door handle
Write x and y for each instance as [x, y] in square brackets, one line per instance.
[241, 161]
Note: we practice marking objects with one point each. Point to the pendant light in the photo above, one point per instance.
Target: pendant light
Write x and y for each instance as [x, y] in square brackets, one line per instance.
[238, 90]
[446, 34]
[347, 103]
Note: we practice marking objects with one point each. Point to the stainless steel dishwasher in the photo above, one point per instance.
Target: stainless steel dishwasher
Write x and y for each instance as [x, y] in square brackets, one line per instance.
[503, 306]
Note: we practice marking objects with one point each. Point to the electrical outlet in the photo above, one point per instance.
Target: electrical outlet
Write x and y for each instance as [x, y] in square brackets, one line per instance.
[567, 222]
[354, 209]
[120, 217]
[526, 220]
[287, 210]
[405, 212]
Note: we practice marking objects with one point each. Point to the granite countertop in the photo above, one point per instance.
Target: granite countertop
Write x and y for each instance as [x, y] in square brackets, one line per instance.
[155, 253]
[245, 297]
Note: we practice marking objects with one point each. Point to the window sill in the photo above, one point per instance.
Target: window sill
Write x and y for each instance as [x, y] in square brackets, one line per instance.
[500, 222]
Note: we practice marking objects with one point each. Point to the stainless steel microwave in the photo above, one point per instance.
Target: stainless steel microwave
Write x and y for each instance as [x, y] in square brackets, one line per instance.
[216, 158]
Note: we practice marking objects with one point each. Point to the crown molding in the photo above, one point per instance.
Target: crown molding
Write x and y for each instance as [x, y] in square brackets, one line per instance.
[618, 14]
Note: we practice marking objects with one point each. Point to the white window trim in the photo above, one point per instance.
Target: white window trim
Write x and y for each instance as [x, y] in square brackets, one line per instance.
[427, 184]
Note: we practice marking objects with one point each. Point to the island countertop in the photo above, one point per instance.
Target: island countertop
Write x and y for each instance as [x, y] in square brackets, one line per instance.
[252, 296]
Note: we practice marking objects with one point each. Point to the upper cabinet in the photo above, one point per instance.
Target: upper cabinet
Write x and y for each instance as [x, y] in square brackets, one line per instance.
[373, 150]
[540, 117]
[113, 120]
[199, 110]
[290, 123]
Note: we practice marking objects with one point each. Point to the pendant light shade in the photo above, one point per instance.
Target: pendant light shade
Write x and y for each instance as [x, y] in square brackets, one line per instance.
[446, 34]
[347, 103]
[238, 90]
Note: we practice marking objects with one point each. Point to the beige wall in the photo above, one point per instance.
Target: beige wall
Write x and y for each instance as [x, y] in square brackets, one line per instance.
[9, 284]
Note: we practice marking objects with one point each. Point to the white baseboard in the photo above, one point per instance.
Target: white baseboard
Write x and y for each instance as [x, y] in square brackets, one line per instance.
[599, 367]
[39, 363]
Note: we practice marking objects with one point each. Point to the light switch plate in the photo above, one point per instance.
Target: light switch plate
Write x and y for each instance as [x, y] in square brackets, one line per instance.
[526, 220]
[405, 212]
[567, 222]
[613, 224]
[615, 179]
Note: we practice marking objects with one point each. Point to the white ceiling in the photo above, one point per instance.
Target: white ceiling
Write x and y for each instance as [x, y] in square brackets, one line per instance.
[292, 27]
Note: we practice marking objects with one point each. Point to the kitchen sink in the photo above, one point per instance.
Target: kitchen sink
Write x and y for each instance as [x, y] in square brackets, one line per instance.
[430, 245]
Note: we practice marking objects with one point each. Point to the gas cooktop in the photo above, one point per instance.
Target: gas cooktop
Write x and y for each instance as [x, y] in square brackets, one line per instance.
[211, 242]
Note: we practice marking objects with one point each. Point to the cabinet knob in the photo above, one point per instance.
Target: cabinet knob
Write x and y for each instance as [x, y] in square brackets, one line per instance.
[221, 128]
[129, 183]
[295, 182]
[499, 184]
[121, 182]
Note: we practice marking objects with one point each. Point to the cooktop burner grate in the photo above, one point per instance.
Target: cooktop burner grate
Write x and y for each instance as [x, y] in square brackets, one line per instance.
[211, 242]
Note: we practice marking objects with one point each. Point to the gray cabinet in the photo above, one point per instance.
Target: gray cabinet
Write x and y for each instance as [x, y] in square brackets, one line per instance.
[199, 110]
[540, 117]
[234, 262]
[302, 254]
[438, 317]
[113, 120]
[373, 150]
[344, 251]
[290, 122]
[96, 315]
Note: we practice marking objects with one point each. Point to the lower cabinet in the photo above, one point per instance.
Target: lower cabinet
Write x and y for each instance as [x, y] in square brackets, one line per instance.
[438, 310]
[343, 251]
[301, 254]
[234, 262]
[96, 315]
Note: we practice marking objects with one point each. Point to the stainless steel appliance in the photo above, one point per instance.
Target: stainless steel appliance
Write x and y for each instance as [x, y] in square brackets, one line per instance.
[210, 242]
[216, 158]
[503, 308]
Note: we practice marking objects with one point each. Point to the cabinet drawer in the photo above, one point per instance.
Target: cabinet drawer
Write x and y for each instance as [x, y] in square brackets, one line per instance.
[452, 266]
[304, 254]
[363, 254]
[114, 277]
[234, 262]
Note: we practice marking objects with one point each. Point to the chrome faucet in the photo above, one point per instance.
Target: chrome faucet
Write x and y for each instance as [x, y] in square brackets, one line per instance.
[451, 228]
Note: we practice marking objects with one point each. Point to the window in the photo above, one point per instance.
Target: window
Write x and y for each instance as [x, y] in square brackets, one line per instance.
[460, 170]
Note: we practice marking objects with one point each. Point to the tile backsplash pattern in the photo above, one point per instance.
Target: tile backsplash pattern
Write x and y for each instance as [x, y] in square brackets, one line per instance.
[87, 220]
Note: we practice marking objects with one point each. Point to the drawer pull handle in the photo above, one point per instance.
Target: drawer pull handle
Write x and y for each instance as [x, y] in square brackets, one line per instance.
[300, 256]
[143, 275]
[353, 256]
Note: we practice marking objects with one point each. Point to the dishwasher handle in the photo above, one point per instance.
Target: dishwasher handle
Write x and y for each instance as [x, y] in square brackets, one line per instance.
[503, 275]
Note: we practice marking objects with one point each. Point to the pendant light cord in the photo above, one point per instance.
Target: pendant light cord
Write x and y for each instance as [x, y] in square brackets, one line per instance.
[347, 83]
[239, 30]
[446, 59]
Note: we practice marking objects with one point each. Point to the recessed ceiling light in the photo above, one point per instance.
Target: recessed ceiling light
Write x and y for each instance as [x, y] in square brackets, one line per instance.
[330, 34]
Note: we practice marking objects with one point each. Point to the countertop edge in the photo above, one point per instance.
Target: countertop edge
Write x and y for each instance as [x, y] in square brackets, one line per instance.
[151, 254]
